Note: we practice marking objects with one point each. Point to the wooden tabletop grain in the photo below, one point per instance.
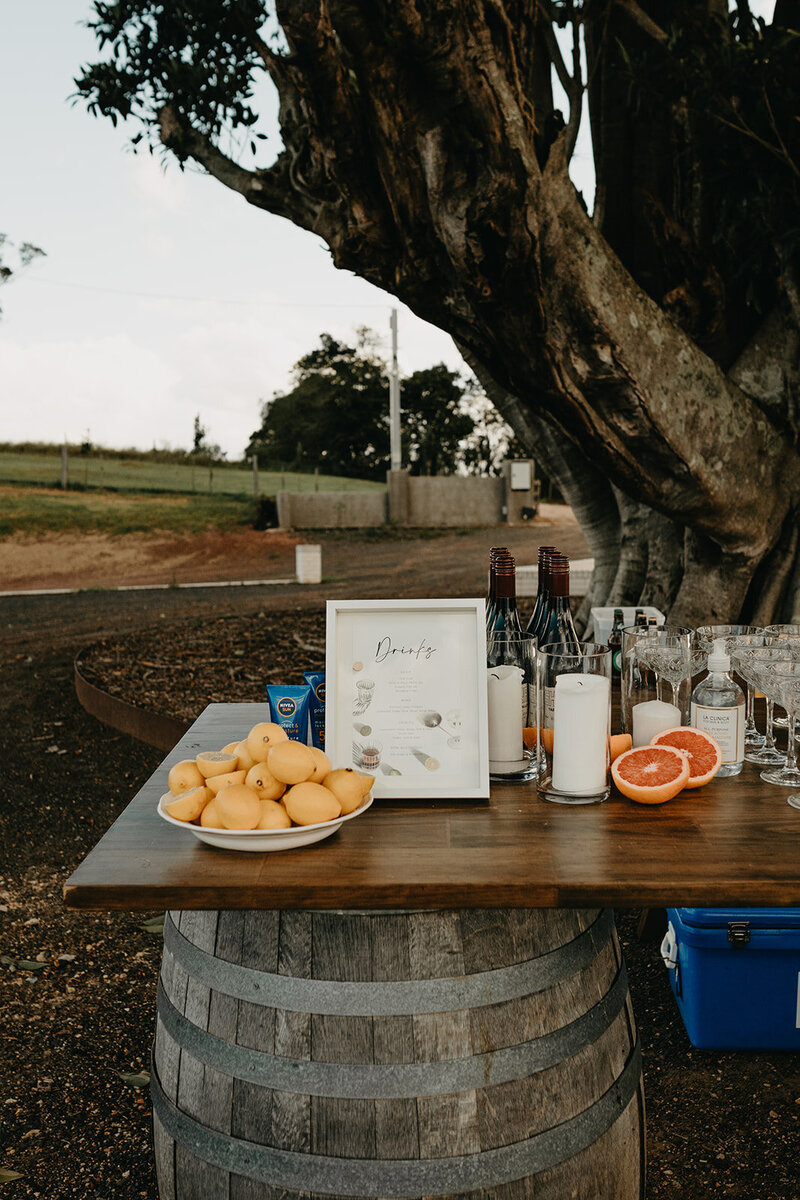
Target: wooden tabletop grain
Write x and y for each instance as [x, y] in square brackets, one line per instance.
[733, 842]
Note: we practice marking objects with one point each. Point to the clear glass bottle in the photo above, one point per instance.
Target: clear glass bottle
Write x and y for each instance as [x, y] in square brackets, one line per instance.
[718, 708]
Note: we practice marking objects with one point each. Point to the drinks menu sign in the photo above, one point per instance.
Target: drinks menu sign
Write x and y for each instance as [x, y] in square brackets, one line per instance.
[406, 695]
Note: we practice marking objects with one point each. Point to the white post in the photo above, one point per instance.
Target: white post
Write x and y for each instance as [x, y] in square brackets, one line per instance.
[395, 456]
[64, 475]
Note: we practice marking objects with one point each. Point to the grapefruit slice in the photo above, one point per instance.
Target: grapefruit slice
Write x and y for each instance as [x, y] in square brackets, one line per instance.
[705, 753]
[618, 743]
[651, 774]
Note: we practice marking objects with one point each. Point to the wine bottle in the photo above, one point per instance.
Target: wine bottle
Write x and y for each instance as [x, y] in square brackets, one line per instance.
[505, 618]
[494, 553]
[615, 642]
[541, 592]
[560, 626]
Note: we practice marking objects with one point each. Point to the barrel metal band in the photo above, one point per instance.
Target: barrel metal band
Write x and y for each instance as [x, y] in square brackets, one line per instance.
[398, 1080]
[401, 1177]
[390, 998]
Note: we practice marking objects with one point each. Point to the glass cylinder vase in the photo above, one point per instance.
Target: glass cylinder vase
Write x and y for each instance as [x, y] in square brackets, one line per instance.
[511, 685]
[573, 711]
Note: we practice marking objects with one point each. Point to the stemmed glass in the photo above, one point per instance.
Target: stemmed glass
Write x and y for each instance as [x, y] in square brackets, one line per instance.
[706, 636]
[666, 651]
[783, 683]
[757, 664]
[783, 632]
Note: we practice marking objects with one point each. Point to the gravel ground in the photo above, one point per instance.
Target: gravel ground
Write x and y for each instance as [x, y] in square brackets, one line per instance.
[77, 989]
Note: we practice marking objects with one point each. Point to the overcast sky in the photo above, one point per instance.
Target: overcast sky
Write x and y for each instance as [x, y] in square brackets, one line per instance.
[163, 294]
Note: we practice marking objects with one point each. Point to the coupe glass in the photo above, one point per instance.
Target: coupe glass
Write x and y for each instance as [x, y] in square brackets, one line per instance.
[667, 652]
[783, 684]
[756, 667]
[706, 636]
[783, 632]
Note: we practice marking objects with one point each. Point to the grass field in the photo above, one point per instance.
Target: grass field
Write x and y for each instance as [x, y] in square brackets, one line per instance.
[33, 511]
[141, 475]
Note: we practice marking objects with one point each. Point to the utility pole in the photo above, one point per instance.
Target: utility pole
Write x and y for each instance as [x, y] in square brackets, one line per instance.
[395, 456]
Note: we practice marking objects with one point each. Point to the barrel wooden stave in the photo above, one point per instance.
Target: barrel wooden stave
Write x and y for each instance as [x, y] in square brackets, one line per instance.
[469, 1121]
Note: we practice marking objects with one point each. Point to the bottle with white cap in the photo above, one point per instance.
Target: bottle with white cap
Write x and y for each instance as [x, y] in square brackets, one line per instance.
[718, 708]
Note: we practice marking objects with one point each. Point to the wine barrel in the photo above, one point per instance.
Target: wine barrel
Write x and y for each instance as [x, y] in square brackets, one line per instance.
[479, 1053]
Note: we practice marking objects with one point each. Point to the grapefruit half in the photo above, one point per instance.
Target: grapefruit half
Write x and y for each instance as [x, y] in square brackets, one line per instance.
[705, 753]
[651, 774]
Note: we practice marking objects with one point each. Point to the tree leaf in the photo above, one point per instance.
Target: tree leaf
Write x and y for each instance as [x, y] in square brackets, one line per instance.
[8, 1176]
[142, 1079]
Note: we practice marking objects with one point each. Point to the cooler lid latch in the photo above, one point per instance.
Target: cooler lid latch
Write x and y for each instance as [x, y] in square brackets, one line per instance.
[738, 933]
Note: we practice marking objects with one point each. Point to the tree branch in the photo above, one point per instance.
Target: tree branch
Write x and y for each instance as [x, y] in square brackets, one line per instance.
[270, 189]
[644, 22]
[576, 94]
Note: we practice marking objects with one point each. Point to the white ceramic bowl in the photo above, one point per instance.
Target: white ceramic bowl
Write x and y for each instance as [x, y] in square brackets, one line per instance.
[261, 840]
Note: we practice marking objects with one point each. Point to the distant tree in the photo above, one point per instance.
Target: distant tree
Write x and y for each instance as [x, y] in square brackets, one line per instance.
[336, 417]
[199, 438]
[203, 450]
[434, 420]
[25, 253]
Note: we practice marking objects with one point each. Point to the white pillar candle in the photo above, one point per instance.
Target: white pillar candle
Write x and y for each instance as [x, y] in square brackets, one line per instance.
[505, 713]
[650, 718]
[580, 733]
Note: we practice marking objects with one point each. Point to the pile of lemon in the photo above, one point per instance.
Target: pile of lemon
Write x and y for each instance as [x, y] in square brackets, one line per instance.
[266, 781]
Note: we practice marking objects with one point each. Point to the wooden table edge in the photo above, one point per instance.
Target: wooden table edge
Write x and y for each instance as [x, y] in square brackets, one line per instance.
[735, 895]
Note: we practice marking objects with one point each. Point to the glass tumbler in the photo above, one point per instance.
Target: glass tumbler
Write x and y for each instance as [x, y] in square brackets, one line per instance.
[573, 714]
[511, 684]
[655, 680]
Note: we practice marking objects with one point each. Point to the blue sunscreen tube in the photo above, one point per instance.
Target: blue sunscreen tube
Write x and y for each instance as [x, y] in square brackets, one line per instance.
[316, 681]
[288, 707]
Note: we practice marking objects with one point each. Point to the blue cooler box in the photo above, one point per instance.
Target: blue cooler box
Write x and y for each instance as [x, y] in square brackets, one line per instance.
[735, 973]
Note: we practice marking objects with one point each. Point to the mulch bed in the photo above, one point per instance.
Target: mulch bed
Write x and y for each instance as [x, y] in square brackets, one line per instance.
[77, 990]
[184, 666]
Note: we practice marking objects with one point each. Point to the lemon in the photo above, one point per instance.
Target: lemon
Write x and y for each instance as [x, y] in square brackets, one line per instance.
[217, 782]
[367, 783]
[346, 785]
[244, 756]
[215, 762]
[209, 817]
[189, 806]
[262, 781]
[262, 738]
[322, 765]
[311, 803]
[183, 777]
[238, 807]
[273, 816]
[291, 762]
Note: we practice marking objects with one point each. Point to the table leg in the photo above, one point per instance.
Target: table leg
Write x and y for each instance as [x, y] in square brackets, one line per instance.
[482, 1053]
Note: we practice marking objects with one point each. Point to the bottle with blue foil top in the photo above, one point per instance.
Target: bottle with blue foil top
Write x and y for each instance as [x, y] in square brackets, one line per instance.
[718, 708]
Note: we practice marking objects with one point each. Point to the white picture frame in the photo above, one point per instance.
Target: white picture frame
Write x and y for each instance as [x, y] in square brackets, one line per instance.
[406, 697]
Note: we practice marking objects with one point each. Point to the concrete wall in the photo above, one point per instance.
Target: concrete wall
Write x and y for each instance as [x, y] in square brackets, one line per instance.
[414, 501]
[444, 500]
[331, 510]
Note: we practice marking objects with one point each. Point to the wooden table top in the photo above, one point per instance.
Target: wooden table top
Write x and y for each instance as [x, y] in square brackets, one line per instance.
[734, 842]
